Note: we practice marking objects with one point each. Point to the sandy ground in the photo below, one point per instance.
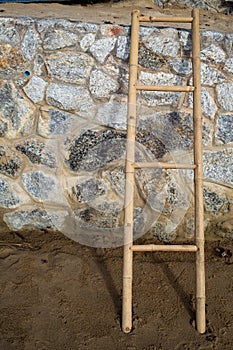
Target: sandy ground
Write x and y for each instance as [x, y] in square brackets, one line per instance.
[114, 12]
[56, 294]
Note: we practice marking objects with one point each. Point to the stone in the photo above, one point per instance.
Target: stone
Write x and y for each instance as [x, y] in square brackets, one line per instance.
[69, 67]
[102, 85]
[209, 37]
[71, 98]
[15, 111]
[213, 54]
[8, 33]
[36, 218]
[35, 89]
[111, 30]
[39, 68]
[84, 27]
[228, 43]
[159, 231]
[209, 107]
[8, 199]
[88, 190]
[149, 59]
[116, 177]
[228, 65]
[218, 166]
[54, 122]
[10, 163]
[87, 41]
[38, 184]
[185, 38]
[112, 114]
[123, 47]
[164, 42]
[225, 129]
[181, 66]
[225, 96]
[11, 62]
[160, 98]
[55, 39]
[211, 76]
[37, 152]
[101, 48]
[93, 149]
[214, 201]
[30, 43]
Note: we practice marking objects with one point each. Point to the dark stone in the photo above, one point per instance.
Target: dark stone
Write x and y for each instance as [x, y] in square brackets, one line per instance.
[93, 149]
[88, 190]
[213, 202]
[10, 162]
[37, 152]
[149, 59]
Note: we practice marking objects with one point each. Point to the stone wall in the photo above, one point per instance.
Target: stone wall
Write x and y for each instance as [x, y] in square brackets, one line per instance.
[63, 93]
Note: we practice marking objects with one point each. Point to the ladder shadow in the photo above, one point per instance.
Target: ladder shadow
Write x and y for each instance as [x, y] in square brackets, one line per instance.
[185, 298]
[102, 267]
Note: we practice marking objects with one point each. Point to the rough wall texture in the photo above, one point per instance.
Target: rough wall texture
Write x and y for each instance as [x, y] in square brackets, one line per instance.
[225, 6]
[63, 93]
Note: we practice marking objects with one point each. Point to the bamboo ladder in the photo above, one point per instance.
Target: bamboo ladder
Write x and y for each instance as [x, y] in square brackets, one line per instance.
[129, 247]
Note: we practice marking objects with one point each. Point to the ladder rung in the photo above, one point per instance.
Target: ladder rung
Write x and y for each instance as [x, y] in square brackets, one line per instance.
[164, 248]
[165, 88]
[166, 19]
[157, 165]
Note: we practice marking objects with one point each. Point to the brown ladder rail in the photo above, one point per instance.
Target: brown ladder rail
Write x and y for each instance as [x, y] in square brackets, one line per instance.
[129, 247]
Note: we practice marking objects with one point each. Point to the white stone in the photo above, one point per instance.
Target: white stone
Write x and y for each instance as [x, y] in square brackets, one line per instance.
[102, 85]
[225, 96]
[164, 42]
[101, 48]
[123, 47]
[209, 107]
[30, 43]
[181, 66]
[87, 41]
[35, 89]
[211, 76]
[113, 114]
[228, 65]
[59, 38]
[213, 53]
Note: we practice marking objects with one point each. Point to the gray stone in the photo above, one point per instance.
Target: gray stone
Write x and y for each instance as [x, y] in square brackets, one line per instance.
[112, 114]
[225, 96]
[123, 47]
[39, 185]
[159, 231]
[17, 112]
[149, 59]
[228, 65]
[160, 98]
[10, 162]
[211, 76]
[87, 27]
[228, 43]
[34, 217]
[106, 215]
[209, 107]
[164, 42]
[8, 199]
[69, 67]
[59, 38]
[39, 68]
[87, 41]
[70, 98]
[213, 54]
[102, 85]
[209, 37]
[225, 129]
[35, 89]
[101, 48]
[30, 43]
[8, 33]
[185, 38]
[218, 166]
[181, 66]
[93, 149]
[214, 201]
[116, 177]
[54, 122]
[37, 152]
[88, 190]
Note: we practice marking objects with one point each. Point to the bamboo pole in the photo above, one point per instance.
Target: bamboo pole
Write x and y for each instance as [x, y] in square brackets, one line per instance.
[198, 177]
[166, 19]
[174, 88]
[164, 248]
[160, 165]
[130, 180]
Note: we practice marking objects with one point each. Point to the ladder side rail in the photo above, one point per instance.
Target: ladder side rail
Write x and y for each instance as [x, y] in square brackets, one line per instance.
[198, 177]
[130, 179]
